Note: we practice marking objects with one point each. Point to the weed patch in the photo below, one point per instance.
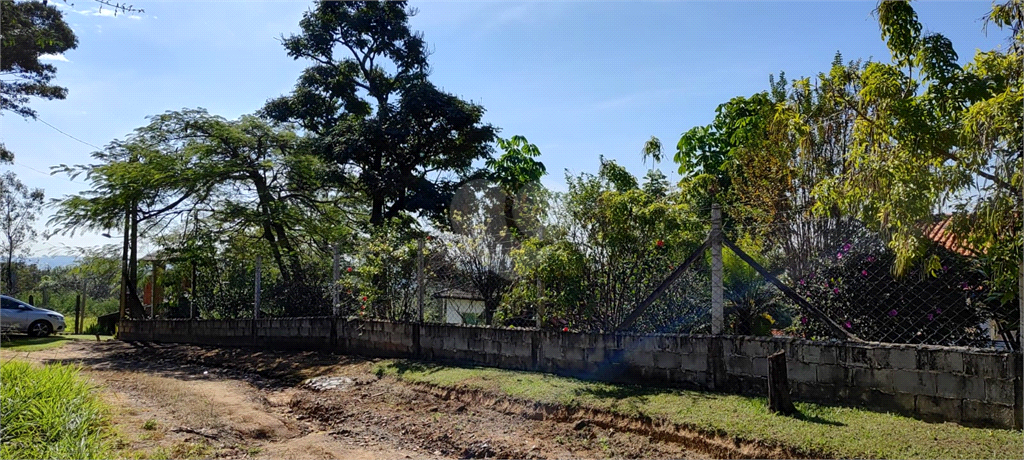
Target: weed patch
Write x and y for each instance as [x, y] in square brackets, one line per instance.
[50, 412]
[838, 432]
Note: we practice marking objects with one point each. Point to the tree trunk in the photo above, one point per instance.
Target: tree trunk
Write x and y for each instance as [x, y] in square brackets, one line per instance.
[377, 209]
[510, 219]
[134, 302]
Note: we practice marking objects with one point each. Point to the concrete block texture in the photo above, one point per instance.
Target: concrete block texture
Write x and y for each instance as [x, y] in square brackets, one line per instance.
[999, 391]
[936, 409]
[940, 361]
[801, 372]
[959, 386]
[983, 414]
[880, 379]
[922, 383]
[988, 365]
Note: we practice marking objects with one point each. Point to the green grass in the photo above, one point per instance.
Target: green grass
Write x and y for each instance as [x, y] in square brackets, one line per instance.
[50, 412]
[25, 343]
[838, 432]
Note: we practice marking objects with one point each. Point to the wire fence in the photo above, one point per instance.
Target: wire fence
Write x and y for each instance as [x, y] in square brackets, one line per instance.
[842, 274]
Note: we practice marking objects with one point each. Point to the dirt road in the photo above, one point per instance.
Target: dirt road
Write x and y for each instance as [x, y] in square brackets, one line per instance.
[181, 401]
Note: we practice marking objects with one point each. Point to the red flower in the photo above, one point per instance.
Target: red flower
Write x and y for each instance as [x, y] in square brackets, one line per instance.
[660, 243]
[565, 329]
[349, 269]
[364, 298]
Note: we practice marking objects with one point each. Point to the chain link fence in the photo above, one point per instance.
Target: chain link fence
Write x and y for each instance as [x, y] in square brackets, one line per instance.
[843, 271]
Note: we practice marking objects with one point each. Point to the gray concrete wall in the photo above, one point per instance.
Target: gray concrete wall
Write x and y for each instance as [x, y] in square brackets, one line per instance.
[967, 386]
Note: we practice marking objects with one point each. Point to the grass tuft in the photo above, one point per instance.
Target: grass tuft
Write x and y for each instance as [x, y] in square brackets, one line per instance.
[24, 343]
[837, 432]
[49, 412]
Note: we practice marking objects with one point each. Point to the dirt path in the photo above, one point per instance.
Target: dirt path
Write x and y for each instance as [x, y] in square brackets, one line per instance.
[181, 401]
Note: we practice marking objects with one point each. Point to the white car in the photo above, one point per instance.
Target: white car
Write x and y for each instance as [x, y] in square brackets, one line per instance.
[18, 316]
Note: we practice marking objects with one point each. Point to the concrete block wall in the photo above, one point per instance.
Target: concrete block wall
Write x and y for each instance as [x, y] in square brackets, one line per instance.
[967, 386]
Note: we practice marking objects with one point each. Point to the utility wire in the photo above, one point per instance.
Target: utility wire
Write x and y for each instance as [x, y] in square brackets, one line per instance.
[66, 134]
[23, 165]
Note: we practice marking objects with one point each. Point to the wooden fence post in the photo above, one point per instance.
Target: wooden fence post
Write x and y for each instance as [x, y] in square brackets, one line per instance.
[778, 385]
[78, 314]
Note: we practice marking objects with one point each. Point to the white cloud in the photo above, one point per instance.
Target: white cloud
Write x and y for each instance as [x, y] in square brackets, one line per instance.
[106, 13]
[135, 16]
[53, 57]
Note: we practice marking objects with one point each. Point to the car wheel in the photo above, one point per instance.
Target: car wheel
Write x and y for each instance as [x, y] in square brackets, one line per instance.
[40, 329]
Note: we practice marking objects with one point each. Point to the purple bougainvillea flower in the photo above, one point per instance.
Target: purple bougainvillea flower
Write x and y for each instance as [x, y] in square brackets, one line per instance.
[803, 320]
[963, 286]
[802, 282]
[931, 317]
[846, 247]
[893, 312]
[839, 256]
[835, 290]
[938, 310]
[945, 268]
[848, 325]
[871, 258]
[864, 272]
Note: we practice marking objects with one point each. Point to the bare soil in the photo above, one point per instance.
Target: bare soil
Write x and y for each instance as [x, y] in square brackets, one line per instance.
[184, 401]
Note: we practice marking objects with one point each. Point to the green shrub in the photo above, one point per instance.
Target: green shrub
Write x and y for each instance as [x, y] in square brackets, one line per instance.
[49, 412]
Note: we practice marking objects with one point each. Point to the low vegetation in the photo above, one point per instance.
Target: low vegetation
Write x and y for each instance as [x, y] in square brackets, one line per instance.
[50, 412]
[837, 432]
[24, 343]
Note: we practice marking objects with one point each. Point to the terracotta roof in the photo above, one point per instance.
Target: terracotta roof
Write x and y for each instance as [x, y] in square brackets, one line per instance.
[941, 232]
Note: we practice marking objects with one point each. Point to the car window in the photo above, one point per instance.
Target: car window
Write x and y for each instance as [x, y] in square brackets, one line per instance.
[8, 304]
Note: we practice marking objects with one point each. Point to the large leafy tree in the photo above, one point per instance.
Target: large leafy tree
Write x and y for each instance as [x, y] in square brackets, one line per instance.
[518, 174]
[234, 182]
[394, 136]
[611, 243]
[29, 30]
[258, 176]
[19, 208]
[933, 136]
[137, 187]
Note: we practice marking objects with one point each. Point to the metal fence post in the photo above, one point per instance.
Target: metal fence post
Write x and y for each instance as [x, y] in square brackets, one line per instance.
[420, 279]
[335, 299]
[717, 309]
[256, 303]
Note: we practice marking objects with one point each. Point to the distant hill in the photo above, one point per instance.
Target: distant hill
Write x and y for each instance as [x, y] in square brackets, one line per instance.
[52, 261]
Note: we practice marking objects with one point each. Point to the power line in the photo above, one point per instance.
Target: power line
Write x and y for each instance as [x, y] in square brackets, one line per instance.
[23, 165]
[66, 134]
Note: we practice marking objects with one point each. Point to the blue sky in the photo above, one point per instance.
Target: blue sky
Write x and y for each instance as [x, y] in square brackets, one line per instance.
[579, 79]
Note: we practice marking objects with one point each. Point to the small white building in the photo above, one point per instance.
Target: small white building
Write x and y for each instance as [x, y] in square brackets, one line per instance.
[460, 307]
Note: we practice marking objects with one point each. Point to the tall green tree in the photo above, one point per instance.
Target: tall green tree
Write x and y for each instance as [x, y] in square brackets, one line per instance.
[611, 243]
[258, 177]
[518, 174]
[134, 183]
[19, 208]
[29, 30]
[395, 138]
[932, 136]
